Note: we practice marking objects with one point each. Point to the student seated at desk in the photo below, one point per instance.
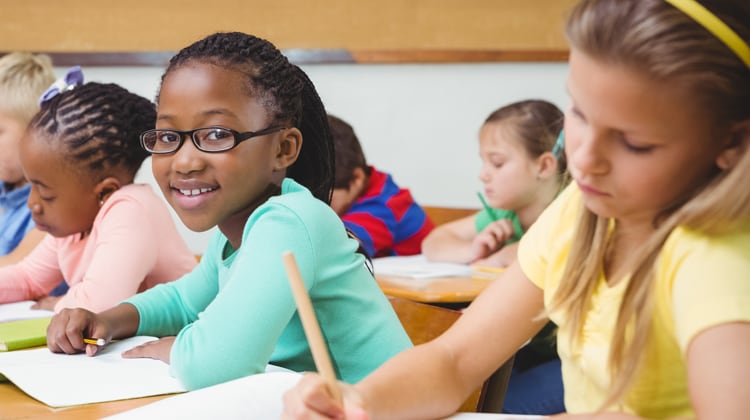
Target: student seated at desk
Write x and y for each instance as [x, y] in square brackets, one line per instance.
[383, 216]
[23, 79]
[643, 261]
[523, 169]
[242, 142]
[108, 238]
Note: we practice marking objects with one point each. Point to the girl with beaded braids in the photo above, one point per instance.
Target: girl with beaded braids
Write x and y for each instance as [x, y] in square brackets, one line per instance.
[108, 237]
[643, 262]
[242, 143]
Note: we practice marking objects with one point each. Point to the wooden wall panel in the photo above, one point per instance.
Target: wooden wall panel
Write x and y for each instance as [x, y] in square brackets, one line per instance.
[373, 29]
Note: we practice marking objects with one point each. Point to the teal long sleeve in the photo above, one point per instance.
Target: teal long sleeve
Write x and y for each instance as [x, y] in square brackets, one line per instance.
[234, 314]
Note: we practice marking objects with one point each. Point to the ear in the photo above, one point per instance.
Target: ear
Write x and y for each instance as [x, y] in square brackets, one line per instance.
[358, 181]
[736, 146]
[105, 188]
[288, 148]
[546, 165]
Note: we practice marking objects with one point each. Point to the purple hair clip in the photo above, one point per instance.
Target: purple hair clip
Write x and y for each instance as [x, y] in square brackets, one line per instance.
[73, 77]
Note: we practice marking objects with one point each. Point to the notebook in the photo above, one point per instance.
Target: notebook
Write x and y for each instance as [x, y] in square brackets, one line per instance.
[418, 267]
[60, 380]
[252, 397]
[22, 310]
[22, 334]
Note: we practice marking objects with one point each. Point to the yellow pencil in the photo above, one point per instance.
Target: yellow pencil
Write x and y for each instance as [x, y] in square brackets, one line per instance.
[95, 341]
[310, 325]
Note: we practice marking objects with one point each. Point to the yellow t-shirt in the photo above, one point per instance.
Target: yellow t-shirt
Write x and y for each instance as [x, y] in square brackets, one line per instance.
[700, 282]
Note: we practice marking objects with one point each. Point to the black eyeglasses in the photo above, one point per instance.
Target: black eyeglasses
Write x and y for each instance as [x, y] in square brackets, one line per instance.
[206, 139]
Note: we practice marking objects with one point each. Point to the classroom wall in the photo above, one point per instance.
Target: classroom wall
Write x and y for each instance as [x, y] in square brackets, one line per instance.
[168, 25]
[417, 121]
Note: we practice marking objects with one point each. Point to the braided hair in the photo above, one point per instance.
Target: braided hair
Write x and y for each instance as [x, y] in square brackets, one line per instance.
[284, 90]
[97, 126]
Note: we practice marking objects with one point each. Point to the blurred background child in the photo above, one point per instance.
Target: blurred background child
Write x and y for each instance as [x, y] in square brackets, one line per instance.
[383, 216]
[108, 238]
[23, 79]
[523, 169]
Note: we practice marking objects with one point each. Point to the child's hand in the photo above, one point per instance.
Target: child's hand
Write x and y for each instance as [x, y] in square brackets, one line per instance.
[491, 239]
[502, 258]
[48, 303]
[67, 329]
[156, 349]
[310, 399]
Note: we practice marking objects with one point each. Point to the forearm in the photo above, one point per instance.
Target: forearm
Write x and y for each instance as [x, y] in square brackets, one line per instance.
[422, 382]
[446, 247]
[122, 320]
[29, 242]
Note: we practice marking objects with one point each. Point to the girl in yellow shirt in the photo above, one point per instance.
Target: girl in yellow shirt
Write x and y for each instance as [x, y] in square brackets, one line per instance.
[643, 262]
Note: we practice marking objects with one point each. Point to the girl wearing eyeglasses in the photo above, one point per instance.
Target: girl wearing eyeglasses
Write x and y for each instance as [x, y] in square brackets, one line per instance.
[242, 143]
[107, 237]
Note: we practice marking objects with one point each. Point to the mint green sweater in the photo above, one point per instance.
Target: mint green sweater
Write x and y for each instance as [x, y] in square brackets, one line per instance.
[234, 314]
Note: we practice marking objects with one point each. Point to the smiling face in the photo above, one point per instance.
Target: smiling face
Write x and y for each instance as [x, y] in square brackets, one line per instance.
[210, 189]
[634, 153]
[62, 201]
[508, 173]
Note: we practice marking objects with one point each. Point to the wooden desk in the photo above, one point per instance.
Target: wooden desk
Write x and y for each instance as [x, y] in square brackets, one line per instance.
[436, 290]
[15, 404]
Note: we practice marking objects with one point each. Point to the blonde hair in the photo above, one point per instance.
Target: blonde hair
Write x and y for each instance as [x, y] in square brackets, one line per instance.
[655, 39]
[23, 79]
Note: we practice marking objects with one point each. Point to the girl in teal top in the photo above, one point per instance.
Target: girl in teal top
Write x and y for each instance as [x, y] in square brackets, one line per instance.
[235, 313]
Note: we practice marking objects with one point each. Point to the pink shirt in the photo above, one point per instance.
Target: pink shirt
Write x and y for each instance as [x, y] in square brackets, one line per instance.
[133, 245]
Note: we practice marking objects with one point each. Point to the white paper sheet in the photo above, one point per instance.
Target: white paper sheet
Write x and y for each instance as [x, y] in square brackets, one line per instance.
[21, 310]
[252, 397]
[418, 267]
[59, 380]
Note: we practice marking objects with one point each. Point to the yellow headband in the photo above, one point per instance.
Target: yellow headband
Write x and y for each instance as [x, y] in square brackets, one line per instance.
[714, 25]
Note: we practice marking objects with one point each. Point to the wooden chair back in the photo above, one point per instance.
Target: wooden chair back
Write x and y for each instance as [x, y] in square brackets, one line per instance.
[441, 215]
[424, 322]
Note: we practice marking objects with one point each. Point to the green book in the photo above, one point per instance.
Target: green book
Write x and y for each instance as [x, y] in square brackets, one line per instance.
[23, 333]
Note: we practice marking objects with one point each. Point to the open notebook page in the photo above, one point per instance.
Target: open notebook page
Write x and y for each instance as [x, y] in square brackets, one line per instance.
[59, 380]
[418, 267]
[252, 397]
[21, 310]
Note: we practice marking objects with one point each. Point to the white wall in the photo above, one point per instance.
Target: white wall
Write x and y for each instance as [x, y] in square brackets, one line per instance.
[418, 122]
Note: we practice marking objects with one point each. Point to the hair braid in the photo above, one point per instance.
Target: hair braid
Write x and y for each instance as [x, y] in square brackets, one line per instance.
[97, 126]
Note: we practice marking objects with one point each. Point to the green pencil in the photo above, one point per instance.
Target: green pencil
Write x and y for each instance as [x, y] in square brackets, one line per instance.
[487, 207]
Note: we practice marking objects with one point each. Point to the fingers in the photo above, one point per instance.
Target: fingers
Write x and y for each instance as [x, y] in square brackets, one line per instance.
[66, 331]
[136, 352]
[310, 399]
[58, 340]
[156, 349]
[503, 230]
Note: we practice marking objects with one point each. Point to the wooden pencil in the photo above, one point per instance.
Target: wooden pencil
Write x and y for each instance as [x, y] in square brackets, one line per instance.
[311, 326]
